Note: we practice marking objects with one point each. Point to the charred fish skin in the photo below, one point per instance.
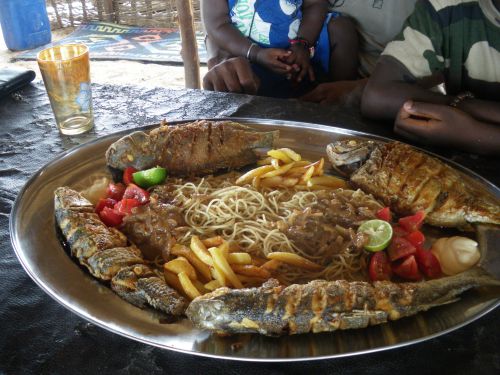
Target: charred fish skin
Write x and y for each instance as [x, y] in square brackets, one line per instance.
[198, 148]
[140, 286]
[324, 306]
[408, 180]
[105, 253]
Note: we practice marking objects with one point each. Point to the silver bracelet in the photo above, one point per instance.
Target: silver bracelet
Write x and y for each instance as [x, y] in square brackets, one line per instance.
[250, 50]
[460, 98]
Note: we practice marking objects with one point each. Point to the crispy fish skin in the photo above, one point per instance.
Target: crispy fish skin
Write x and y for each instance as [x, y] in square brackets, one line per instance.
[198, 148]
[408, 181]
[324, 306]
[105, 253]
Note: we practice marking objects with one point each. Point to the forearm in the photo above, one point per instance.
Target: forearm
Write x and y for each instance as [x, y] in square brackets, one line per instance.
[482, 110]
[215, 54]
[485, 139]
[313, 16]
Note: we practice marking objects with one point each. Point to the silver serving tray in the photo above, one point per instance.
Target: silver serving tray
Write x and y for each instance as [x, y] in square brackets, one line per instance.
[33, 235]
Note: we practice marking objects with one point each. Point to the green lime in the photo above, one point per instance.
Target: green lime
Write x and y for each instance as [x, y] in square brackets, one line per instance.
[150, 177]
[379, 232]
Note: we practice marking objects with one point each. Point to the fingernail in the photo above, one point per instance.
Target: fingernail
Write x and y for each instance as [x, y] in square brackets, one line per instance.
[408, 105]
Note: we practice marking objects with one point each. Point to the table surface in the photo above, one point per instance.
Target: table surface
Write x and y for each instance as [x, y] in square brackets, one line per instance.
[37, 335]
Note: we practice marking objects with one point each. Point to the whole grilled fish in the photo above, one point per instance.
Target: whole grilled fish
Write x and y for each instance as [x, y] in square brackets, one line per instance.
[324, 306]
[197, 148]
[408, 180]
[105, 252]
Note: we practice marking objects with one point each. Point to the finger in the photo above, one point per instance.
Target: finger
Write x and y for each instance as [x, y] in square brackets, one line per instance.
[247, 80]
[421, 109]
[207, 82]
[218, 83]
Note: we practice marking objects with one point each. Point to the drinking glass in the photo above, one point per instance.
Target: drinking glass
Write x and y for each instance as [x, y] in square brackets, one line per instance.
[66, 74]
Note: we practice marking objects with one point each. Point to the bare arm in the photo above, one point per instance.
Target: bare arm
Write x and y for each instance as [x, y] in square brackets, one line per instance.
[391, 85]
[313, 16]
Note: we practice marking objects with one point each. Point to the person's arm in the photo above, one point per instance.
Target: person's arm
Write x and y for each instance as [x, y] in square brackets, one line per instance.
[313, 16]
[220, 31]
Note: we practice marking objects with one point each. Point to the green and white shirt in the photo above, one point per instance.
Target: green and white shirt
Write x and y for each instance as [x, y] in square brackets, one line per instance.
[459, 39]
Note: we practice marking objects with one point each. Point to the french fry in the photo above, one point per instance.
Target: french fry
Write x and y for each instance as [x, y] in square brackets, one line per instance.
[266, 161]
[180, 264]
[173, 281]
[278, 154]
[294, 260]
[239, 258]
[258, 261]
[212, 285]
[202, 269]
[221, 263]
[308, 174]
[271, 182]
[319, 168]
[200, 286]
[278, 172]
[311, 187]
[297, 171]
[188, 286]
[200, 250]
[291, 154]
[330, 181]
[290, 181]
[271, 265]
[251, 270]
[275, 163]
[218, 275]
[224, 247]
[256, 182]
[249, 176]
[213, 241]
[302, 163]
[251, 281]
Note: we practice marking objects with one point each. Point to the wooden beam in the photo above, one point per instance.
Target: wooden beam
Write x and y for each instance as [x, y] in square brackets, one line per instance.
[109, 10]
[189, 50]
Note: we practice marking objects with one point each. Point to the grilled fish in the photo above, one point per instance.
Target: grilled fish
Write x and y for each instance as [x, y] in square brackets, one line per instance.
[105, 252]
[197, 148]
[324, 306]
[408, 181]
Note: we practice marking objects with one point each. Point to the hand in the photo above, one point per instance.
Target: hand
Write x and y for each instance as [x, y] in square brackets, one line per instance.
[273, 59]
[300, 60]
[332, 92]
[436, 124]
[232, 75]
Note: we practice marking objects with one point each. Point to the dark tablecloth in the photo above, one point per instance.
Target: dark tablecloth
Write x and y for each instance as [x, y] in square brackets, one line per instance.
[39, 336]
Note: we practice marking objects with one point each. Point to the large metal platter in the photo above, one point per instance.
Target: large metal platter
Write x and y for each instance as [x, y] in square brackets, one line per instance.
[38, 248]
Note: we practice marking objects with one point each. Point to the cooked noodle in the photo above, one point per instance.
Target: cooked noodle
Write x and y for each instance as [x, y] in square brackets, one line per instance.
[248, 217]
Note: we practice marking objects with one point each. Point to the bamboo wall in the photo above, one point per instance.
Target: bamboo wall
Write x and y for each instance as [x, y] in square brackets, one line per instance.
[155, 13]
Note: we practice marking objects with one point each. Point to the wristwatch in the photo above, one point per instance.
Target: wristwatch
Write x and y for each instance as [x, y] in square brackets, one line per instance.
[304, 43]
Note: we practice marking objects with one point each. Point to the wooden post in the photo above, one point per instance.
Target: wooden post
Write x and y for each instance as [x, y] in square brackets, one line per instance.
[109, 10]
[58, 17]
[189, 50]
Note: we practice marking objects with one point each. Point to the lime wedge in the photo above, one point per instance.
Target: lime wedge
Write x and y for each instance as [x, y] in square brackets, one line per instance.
[379, 233]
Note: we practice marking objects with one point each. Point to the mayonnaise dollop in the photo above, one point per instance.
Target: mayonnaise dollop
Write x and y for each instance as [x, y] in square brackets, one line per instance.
[456, 254]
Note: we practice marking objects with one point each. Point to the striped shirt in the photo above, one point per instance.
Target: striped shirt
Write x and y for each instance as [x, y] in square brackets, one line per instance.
[459, 39]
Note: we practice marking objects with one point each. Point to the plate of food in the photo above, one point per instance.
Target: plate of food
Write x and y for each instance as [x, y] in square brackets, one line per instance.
[261, 240]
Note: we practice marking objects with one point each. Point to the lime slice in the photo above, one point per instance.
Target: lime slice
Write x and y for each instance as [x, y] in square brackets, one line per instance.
[379, 232]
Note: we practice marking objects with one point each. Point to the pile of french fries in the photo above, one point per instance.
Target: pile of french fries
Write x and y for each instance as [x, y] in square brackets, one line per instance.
[211, 263]
[285, 168]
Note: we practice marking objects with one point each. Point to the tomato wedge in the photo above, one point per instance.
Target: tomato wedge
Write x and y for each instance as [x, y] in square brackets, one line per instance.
[379, 268]
[412, 223]
[416, 238]
[111, 217]
[397, 231]
[104, 202]
[126, 204]
[400, 248]
[135, 192]
[407, 269]
[428, 263]
[384, 214]
[115, 191]
[127, 175]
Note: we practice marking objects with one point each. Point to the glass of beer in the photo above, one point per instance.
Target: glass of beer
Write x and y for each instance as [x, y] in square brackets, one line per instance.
[66, 74]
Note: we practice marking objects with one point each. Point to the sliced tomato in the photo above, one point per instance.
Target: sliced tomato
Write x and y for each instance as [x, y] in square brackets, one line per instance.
[115, 191]
[111, 217]
[413, 222]
[379, 268]
[407, 269]
[428, 263]
[416, 238]
[104, 202]
[135, 192]
[400, 248]
[397, 231]
[384, 214]
[127, 175]
[125, 205]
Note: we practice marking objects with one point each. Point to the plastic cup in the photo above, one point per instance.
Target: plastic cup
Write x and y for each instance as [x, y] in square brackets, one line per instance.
[66, 74]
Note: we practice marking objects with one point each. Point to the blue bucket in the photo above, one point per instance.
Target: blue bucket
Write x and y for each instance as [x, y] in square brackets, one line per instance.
[25, 24]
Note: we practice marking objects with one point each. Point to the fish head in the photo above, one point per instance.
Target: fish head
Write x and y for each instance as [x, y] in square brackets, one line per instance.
[348, 155]
[133, 150]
